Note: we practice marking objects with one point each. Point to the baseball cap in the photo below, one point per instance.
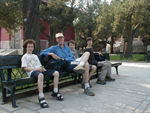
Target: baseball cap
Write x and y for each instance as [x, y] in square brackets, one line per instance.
[59, 35]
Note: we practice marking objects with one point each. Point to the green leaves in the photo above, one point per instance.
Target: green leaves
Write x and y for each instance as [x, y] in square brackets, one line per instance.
[57, 14]
[97, 19]
[10, 14]
[113, 17]
[87, 13]
[104, 22]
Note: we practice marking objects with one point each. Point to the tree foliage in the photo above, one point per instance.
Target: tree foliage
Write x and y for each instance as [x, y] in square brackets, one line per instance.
[86, 15]
[94, 18]
[126, 17]
[10, 14]
[104, 27]
[58, 15]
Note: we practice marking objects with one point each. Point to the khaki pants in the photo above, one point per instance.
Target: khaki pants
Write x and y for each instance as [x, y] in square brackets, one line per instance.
[106, 69]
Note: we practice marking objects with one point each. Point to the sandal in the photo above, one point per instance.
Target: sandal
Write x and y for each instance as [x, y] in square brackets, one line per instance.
[43, 103]
[58, 96]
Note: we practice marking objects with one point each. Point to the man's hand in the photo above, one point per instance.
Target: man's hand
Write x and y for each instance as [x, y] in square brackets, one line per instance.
[54, 56]
[101, 54]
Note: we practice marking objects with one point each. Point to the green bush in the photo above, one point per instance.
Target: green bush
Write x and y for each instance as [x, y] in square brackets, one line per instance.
[135, 57]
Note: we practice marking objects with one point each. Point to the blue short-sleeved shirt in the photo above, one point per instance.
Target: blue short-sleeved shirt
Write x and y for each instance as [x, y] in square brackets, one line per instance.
[64, 52]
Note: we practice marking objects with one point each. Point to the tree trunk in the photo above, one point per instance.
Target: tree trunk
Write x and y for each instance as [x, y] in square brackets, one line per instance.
[111, 44]
[89, 32]
[31, 24]
[129, 37]
[52, 39]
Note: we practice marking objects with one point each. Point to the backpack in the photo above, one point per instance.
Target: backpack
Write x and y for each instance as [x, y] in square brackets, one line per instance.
[99, 57]
[49, 63]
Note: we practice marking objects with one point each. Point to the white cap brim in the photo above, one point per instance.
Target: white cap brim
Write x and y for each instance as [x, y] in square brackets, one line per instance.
[59, 35]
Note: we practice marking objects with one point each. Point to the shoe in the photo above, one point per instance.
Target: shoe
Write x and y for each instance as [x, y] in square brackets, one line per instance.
[110, 79]
[102, 82]
[43, 103]
[79, 69]
[58, 96]
[88, 92]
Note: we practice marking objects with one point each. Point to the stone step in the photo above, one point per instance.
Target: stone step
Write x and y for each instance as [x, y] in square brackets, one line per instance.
[4, 52]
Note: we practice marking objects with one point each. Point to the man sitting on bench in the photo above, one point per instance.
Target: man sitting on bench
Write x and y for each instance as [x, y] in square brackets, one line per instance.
[106, 65]
[61, 51]
[33, 67]
[92, 68]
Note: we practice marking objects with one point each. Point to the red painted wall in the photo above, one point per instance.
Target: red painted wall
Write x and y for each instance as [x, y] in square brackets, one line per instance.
[46, 30]
[69, 34]
[5, 36]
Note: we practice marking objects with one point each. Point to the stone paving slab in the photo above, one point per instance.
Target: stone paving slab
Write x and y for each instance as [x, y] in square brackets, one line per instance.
[130, 93]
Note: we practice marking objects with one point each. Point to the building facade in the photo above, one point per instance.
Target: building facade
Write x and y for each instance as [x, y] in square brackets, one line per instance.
[15, 41]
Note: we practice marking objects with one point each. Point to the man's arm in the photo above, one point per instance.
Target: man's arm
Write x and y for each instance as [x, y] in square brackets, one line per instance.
[100, 53]
[50, 51]
[47, 51]
[70, 55]
[54, 56]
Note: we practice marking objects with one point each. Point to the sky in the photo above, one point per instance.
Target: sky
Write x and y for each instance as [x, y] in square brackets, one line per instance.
[77, 1]
[107, 0]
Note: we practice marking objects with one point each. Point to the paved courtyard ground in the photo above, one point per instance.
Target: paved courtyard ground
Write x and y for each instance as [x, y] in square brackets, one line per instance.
[130, 93]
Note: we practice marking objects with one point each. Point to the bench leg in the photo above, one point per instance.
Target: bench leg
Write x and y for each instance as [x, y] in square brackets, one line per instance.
[13, 98]
[79, 78]
[47, 85]
[3, 95]
[116, 69]
[97, 71]
[75, 78]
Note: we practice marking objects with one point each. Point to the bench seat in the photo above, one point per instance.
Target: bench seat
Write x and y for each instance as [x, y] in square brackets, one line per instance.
[12, 75]
[113, 64]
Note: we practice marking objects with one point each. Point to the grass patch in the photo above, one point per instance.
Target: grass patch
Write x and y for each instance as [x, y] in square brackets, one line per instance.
[135, 57]
[115, 57]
